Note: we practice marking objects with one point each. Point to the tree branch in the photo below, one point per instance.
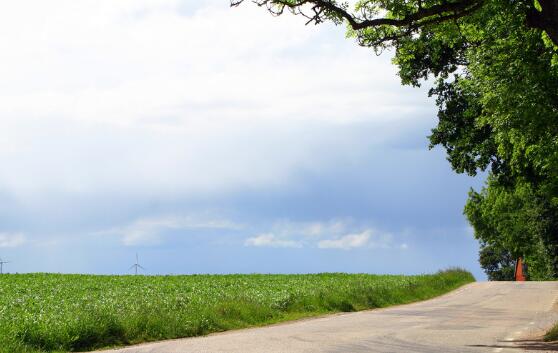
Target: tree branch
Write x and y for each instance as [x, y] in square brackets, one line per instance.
[325, 9]
[321, 10]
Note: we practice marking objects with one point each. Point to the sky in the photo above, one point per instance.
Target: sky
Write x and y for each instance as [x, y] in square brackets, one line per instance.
[214, 140]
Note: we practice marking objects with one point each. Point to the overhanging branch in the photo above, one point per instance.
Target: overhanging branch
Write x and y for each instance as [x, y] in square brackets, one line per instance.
[410, 22]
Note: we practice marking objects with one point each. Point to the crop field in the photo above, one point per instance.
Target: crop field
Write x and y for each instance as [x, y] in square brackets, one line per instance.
[59, 313]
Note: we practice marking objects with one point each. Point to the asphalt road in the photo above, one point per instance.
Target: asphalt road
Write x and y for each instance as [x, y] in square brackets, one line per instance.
[480, 317]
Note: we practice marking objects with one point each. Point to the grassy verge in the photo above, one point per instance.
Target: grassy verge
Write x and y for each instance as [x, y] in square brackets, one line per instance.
[59, 313]
[552, 335]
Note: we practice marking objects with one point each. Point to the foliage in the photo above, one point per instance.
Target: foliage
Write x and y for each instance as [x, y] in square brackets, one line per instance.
[50, 312]
[520, 222]
[494, 69]
[497, 262]
[499, 112]
[552, 334]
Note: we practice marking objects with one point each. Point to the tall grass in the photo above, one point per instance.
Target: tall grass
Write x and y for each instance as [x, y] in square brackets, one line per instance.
[51, 312]
[552, 334]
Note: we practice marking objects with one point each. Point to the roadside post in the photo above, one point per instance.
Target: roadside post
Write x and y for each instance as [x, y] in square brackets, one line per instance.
[519, 271]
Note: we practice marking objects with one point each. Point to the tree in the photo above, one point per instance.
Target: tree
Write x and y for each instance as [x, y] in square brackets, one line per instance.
[388, 21]
[494, 64]
[512, 223]
[497, 262]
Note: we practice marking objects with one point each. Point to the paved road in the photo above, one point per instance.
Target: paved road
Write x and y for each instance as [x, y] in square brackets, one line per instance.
[480, 317]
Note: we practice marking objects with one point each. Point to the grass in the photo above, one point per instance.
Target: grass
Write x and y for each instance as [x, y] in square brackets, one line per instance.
[60, 313]
[552, 334]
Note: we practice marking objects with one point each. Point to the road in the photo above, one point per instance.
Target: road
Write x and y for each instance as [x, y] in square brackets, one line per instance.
[479, 317]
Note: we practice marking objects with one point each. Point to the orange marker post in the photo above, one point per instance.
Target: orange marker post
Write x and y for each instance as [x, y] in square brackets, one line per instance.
[519, 275]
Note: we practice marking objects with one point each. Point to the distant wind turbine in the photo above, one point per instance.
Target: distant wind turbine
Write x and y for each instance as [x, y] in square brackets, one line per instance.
[2, 262]
[136, 265]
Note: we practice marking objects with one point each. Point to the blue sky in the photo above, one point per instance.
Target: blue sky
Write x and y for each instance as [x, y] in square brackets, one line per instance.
[214, 140]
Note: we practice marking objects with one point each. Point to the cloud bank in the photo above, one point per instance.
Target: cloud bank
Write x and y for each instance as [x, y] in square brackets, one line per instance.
[202, 135]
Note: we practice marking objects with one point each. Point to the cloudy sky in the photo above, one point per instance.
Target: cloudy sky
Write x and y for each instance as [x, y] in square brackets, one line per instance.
[214, 140]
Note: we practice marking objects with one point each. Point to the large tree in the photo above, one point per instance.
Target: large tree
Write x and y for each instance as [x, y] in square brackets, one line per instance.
[494, 69]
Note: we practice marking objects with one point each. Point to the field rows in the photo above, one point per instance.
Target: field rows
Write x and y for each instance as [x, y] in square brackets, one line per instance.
[51, 312]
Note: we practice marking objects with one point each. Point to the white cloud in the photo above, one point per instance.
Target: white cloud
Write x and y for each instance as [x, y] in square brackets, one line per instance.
[169, 97]
[332, 234]
[314, 229]
[149, 231]
[270, 240]
[11, 240]
[140, 62]
[346, 242]
[371, 238]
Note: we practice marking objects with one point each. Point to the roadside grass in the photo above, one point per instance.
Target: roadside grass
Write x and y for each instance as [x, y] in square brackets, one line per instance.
[61, 313]
[552, 334]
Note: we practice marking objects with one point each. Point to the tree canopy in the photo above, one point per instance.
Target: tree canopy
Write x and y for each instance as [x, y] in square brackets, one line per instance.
[493, 66]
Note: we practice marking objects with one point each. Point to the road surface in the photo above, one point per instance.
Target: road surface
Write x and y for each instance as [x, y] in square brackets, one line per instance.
[479, 317]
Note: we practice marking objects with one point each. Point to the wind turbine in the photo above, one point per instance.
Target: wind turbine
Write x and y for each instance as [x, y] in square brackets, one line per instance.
[136, 265]
[2, 262]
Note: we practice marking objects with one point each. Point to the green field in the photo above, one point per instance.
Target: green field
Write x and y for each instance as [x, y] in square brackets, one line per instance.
[51, 312]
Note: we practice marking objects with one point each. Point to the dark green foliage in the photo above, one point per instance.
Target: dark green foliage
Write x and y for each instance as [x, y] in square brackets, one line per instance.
[497, 262]
[499, 111]
[469, 146]
[48, 312]
[519, 220]
[427, 56]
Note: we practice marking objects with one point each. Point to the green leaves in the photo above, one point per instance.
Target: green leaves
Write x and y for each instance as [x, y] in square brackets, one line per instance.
[498, 110]
[518, 220]
[494, 64]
